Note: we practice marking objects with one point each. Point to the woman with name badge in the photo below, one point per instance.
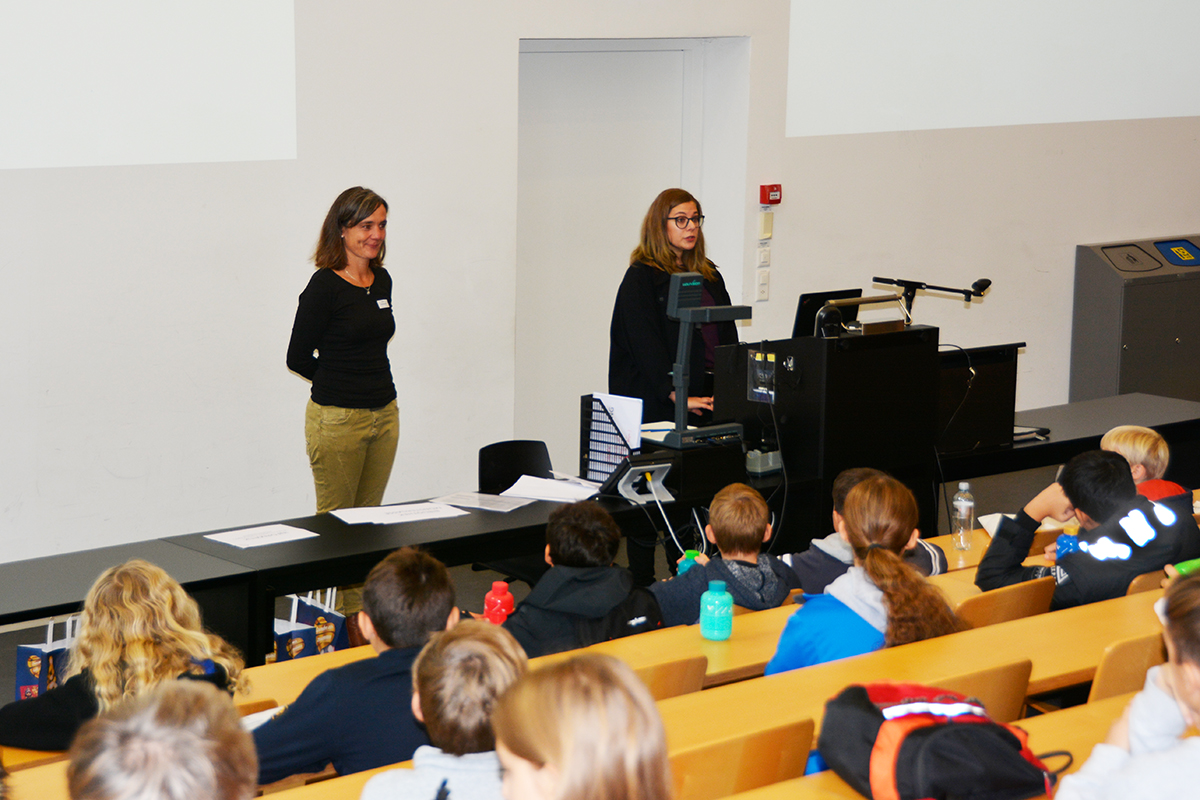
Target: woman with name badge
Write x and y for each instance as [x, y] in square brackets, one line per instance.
[339, 342]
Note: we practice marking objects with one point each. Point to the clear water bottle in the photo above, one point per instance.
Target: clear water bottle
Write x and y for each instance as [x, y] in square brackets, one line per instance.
[716, 612]
[962, 516]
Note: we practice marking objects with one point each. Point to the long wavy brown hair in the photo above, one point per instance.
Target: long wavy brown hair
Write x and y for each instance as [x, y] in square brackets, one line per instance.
[654, 248]
[139, 628]
[881, 515]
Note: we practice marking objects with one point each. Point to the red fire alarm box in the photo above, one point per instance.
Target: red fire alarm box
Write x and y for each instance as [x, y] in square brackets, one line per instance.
[770, 194]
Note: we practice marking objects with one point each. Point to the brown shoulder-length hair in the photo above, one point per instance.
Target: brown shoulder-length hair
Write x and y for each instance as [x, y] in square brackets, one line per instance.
[881, 515]
[350, 208]
[654, 248]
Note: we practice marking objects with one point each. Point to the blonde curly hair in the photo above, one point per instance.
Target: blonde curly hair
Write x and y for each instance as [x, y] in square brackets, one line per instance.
[140, 628]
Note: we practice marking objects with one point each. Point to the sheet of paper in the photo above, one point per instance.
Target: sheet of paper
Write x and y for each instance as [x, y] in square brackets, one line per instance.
[260, 535]
[562, 476]
[989, 522]
[546, 489]
[626, 413]
[390, 515]
[488, 502]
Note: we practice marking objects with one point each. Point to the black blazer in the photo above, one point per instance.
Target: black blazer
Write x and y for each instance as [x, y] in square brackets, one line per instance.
[642, 341]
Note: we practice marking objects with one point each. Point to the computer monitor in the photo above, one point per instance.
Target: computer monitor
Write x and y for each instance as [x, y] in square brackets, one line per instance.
[810, 304]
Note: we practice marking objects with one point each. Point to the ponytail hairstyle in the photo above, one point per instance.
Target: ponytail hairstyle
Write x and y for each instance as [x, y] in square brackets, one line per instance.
[654, 248]
[880, 516]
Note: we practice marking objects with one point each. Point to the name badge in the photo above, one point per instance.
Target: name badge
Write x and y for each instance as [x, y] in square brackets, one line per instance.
[382, 303]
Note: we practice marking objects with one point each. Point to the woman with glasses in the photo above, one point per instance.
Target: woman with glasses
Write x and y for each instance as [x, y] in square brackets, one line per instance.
[643, 342]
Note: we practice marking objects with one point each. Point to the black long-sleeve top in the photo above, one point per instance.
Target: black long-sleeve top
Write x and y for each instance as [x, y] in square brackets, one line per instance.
[643, 341]
[349, 328]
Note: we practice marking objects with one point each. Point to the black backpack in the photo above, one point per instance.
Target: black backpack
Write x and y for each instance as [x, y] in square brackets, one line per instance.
[901, 741]
[638, 612]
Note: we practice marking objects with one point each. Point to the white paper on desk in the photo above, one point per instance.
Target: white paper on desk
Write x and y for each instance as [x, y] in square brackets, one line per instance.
[385, 515]
[260, 535]
[989, 522]
[546, 489]
[255, 720]
[488, 502]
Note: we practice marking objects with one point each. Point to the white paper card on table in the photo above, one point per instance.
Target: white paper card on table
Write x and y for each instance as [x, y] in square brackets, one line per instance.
[562, 476]
[488, 502]
[385, 515]
[260, 535]
[546, 489]
[989, 522]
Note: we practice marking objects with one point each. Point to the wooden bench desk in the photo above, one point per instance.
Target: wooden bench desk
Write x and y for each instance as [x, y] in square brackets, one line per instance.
[1076, 730]
[1064, 647]
[284, 681]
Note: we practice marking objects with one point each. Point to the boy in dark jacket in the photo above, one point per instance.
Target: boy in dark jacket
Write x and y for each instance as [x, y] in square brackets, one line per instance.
[828, 559]
[582, 583]
[739, 523]
[1121, 534]
[359, 716]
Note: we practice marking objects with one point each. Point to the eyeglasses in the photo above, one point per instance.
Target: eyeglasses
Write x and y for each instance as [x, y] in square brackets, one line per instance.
[681, 221]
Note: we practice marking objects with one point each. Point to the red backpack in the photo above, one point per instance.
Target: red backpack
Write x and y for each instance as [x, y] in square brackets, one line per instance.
[905, 741]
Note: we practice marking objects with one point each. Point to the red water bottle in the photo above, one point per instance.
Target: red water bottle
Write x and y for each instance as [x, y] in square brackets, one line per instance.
[498, 603]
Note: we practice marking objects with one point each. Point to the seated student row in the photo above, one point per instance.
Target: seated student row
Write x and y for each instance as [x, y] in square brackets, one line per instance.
[289, 732]
[565, 717]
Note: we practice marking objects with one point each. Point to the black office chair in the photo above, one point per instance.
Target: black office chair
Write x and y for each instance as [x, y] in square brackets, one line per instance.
[501, 464]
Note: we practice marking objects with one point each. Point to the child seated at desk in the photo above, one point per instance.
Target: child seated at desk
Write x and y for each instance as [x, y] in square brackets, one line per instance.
[739, 524]
[880, 601]
[1147, 453]
[138, 628]
[359, 716]
[581, 587]
[178, 741]
[582, 729]
[1122, 534]
[458, 677]
[828, 559]
[1146, 753]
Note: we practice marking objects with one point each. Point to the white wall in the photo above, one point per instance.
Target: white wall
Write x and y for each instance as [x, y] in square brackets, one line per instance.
[148, 308]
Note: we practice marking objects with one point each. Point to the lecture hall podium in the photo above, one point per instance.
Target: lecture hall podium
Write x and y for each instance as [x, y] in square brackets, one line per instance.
[851, 401]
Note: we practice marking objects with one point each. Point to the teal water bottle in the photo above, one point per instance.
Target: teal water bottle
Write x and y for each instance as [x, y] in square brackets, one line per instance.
[689, 560]
[716, 612]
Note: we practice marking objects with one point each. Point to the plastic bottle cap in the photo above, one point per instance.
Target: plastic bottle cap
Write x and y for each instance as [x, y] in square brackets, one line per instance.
[716, 586]
[691, 553]
[964, 486]
[499, 587]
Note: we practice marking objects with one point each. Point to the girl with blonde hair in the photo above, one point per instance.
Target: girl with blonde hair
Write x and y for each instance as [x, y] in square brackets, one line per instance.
[138, 628]
[583, 729]
[879, 602]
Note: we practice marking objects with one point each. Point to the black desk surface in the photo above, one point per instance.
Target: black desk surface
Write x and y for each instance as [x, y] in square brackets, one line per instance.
[55, 585]
[338, 553]
[1076, 427]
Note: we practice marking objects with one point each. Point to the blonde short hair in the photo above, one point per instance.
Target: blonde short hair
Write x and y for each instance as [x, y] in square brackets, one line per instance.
[459, 675]
[139, 628]
[595, 722]
[1139, 445]
[739, 518]
[177, 741]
